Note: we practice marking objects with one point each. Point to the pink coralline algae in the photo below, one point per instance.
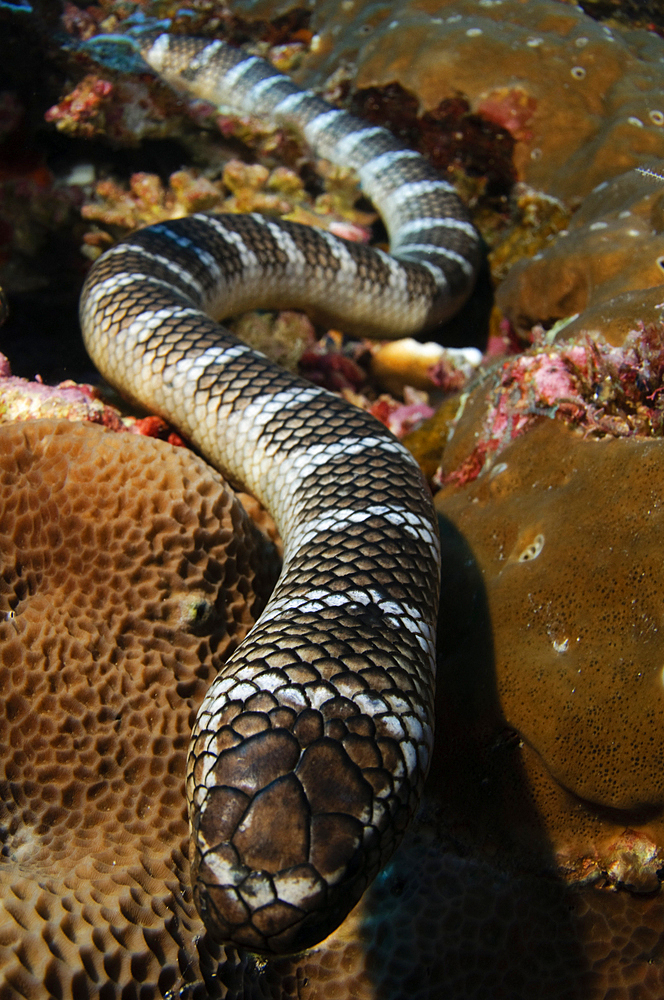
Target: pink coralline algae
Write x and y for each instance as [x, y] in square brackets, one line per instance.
[327, 364]
[21, 399]
[411, 373]
[348, 368]
[579, 101]
[401, 418]
[82, 111]
[603, 390]
[521, 876]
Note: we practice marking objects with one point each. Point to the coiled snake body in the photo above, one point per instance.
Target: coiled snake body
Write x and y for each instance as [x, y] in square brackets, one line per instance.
[311, 747]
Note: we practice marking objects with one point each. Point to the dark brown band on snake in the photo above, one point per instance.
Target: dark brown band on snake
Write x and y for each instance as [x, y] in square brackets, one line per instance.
[310, 750]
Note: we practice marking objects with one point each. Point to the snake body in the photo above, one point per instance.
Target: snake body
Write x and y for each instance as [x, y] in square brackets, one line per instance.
[311, 748]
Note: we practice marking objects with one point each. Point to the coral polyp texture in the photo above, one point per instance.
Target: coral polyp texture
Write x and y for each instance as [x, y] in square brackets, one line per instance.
[129, 572]
[124, 583]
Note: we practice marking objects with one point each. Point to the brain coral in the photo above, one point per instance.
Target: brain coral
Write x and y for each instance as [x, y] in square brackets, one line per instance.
[583, 101]
[128, 573]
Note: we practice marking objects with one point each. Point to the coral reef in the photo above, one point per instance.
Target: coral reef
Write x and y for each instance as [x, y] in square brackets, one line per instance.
[499, 933]
[24, 400]
[535, 220]
[388, 947]
[477, 85]
[21, 399]
[533, 869]
[553, 726]
[451, 135]
[241, 188]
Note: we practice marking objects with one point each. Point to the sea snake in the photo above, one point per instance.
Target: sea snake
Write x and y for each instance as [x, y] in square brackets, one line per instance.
[312, 745]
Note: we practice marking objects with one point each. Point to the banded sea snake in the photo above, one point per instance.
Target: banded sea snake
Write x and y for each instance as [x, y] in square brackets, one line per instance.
[311, 748]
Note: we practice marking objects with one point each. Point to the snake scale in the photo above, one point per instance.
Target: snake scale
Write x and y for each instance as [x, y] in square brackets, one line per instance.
[312, 745]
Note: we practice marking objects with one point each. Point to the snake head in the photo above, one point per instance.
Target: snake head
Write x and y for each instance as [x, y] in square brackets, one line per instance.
[291, 831]
[293, 814]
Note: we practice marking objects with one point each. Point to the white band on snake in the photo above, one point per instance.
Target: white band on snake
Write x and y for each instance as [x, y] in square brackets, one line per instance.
[312, 745]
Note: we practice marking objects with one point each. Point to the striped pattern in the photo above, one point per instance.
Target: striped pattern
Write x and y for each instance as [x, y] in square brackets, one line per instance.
[310, 750]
